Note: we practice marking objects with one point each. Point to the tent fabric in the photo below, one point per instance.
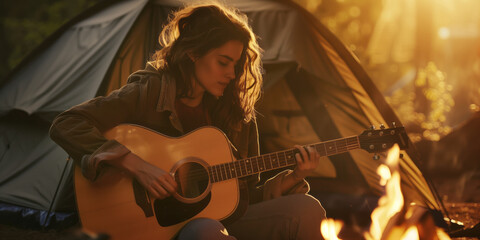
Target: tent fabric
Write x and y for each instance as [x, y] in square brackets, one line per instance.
[70, 71]
[95, 55]
[372, 115]
[65, 74]
[30, 164]
[378, 112]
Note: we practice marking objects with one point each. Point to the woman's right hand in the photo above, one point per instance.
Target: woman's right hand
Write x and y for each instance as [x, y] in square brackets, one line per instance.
[157, 182]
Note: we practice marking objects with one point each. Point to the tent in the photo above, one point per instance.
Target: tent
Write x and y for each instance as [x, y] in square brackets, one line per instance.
[315, 90]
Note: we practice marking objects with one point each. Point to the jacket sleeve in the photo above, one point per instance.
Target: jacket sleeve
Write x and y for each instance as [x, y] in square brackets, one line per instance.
[79, 130]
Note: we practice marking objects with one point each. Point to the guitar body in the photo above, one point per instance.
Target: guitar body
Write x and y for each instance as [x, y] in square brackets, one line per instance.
[117, 205]
[206, 172]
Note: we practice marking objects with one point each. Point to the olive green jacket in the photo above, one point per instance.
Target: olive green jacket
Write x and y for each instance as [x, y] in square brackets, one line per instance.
[148, 99]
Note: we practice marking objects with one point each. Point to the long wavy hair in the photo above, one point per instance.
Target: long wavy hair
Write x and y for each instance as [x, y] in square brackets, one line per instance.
[196, 30]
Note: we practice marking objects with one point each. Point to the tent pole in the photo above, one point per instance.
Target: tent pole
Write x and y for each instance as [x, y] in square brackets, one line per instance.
[55, 194]
[435, 194]
[439, 199]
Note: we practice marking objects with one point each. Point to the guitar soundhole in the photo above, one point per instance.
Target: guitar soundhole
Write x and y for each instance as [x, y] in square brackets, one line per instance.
[192, 179]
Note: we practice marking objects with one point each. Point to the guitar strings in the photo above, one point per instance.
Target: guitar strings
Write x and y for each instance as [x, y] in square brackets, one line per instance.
[223, 174]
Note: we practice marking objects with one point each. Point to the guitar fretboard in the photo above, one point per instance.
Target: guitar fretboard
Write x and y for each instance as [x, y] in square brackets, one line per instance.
[276, 160]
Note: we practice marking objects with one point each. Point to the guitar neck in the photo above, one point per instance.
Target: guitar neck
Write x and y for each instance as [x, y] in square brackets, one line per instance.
[276, 160]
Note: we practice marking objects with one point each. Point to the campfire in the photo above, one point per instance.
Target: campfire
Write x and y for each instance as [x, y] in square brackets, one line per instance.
[392, 219]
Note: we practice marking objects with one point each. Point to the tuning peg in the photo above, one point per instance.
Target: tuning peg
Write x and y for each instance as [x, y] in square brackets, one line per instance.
[376, 156]
[372, 127]
[394, 125]
[382, 126]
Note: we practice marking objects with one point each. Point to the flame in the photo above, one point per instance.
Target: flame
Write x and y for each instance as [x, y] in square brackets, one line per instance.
[390, 220]
[442, 235]
[392, 202]
[411, 233]
[330, 228]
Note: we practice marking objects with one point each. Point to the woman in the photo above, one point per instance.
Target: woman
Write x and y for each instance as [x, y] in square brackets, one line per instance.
[207, 73]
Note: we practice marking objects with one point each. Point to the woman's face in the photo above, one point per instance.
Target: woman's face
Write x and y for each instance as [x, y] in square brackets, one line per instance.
[216, 69]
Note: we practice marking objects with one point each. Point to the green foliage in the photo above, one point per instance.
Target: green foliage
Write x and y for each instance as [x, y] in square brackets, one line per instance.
[24, 24]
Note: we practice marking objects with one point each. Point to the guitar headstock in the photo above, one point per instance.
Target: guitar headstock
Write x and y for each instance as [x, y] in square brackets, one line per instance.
[380, 140]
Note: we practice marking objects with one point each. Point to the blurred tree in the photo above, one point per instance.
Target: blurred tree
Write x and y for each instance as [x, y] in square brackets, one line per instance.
[24, 24]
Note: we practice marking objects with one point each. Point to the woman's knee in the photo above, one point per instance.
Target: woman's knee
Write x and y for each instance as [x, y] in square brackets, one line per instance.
[310, 214]
[203, 228]
[306, 206]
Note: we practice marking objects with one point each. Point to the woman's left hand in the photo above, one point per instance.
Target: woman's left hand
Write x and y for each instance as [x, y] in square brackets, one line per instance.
[307, 161]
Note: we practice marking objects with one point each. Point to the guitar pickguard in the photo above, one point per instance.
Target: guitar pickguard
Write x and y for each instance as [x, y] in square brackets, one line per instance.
[141, 198]
[170, 211]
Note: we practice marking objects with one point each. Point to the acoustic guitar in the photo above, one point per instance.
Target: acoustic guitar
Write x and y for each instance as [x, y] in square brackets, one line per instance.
[206, 172]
